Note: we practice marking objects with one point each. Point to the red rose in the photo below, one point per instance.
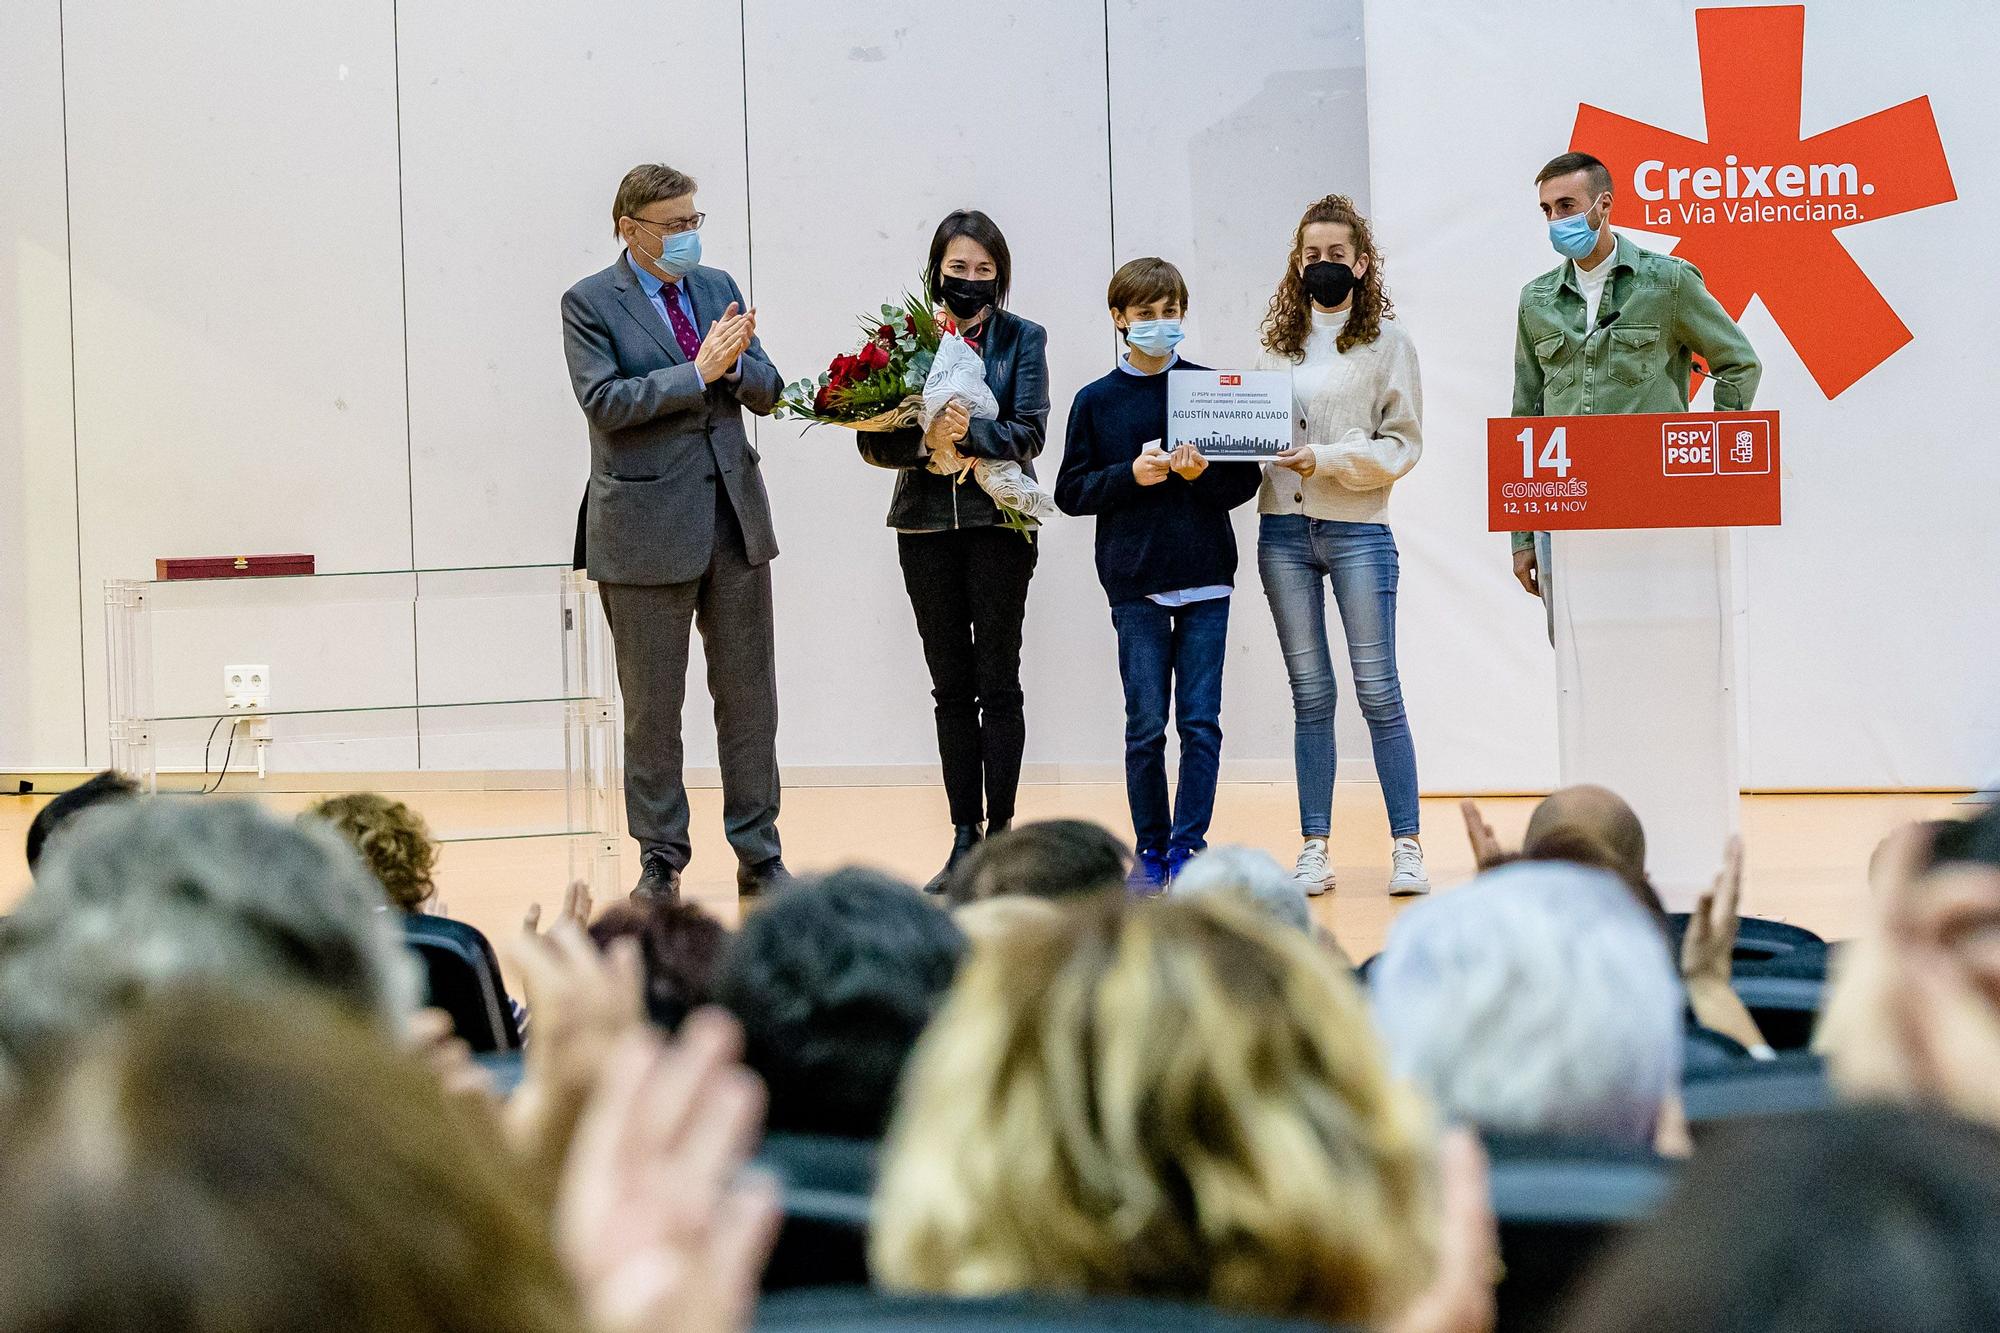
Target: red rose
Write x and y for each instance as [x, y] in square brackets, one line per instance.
[823, 400]
[885, 335]
[844, 370]
[873, 358]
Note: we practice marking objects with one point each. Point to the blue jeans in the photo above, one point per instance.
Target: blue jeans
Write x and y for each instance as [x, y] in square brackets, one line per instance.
[1171, 654]
[1297, 556]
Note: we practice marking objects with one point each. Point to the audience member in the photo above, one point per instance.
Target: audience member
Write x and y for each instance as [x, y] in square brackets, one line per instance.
[1914, 1012]
[1169, 1099]
[392, 840]
[1537, 1000]
[220, 1163]
[1593, 826]
[1863, 1220]
[151, 892]
[680, 946]
[66, 806]
[1246, 873]
[1049, 858]
[833, 982]
[990, 918]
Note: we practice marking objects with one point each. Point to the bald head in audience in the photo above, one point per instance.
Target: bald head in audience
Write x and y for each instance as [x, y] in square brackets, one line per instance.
[1595, 815]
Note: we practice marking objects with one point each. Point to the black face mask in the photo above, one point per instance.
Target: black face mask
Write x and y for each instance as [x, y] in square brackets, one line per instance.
[1328, 283]
[965, 297]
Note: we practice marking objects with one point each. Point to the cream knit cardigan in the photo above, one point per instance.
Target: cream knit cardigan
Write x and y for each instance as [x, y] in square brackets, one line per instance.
[1365, 426]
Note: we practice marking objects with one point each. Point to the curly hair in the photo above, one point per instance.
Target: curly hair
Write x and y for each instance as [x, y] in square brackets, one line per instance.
[1289, 319]
[393, 840]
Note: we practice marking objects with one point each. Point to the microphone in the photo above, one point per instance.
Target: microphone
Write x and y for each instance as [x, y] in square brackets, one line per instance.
[1606, 318]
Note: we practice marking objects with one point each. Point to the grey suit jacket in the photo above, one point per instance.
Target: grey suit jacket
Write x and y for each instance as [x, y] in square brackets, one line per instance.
[660, 440]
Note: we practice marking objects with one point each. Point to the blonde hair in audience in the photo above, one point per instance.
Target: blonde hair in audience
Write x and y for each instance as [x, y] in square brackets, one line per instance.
[1170, 1099]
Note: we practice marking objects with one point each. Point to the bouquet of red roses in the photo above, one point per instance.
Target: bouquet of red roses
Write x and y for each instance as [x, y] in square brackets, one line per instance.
[880, 386]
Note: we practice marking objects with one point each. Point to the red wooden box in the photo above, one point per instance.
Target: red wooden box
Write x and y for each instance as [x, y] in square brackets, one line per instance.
[231, 566]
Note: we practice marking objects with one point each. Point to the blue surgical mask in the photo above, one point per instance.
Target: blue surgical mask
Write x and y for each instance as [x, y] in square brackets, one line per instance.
[1573, 236]
[679, 252]
[1154, 337]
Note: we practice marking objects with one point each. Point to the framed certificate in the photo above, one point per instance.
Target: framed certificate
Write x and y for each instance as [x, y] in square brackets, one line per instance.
[1230, 414]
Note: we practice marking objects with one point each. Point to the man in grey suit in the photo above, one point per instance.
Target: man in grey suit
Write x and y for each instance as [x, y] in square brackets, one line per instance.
[676, 527]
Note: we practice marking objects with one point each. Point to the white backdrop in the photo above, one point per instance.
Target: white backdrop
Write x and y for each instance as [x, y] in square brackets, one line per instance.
[304, 262]
[1872, 634]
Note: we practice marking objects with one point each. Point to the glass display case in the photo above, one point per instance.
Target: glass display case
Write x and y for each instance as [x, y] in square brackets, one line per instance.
[498, 677]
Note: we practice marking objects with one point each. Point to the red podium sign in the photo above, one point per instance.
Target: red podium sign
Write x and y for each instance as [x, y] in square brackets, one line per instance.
[1652, 470]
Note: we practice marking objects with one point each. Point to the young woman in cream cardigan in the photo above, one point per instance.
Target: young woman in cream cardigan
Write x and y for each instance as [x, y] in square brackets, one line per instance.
[1324, 518]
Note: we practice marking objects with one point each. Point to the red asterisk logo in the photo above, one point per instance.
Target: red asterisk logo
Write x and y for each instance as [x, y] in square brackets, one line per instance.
[1756, 205]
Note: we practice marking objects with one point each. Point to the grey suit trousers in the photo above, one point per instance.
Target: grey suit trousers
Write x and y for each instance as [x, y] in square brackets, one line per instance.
[730, 604]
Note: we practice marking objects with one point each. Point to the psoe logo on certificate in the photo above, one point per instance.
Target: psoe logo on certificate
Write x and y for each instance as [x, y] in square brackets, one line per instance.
[1689, 448]
[1230, 414]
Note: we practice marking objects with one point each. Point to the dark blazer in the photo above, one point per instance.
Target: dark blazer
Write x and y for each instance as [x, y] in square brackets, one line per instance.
[1016, 352]
[661, 441]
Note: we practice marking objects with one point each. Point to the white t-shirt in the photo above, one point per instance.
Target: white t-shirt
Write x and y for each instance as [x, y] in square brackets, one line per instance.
[1320, 352]
[1593, 281]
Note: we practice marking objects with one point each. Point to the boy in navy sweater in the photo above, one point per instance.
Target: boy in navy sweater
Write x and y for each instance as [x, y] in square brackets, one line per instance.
[1166, 556]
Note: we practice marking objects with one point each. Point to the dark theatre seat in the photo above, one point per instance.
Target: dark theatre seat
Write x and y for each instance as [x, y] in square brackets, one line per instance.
[1794, 1082]
[1560, 1202]
[462, 977]
[826, 1184]
[863, 1311]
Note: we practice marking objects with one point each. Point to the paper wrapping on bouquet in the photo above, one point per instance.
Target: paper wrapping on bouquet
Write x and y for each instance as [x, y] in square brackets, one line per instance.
[902, 414]
[959, 375]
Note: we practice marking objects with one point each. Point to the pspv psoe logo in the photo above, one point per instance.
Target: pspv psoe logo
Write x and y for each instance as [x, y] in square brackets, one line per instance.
[1713, 447]
[1755, 205]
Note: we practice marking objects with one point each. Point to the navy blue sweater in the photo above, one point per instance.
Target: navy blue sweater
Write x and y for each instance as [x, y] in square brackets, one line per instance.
[1149, 538]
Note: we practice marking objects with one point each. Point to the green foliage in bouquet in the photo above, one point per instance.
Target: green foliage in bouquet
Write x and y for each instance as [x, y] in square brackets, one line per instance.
[881, 384]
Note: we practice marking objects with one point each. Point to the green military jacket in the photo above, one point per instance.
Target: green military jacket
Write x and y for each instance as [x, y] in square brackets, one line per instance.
[1656, 316]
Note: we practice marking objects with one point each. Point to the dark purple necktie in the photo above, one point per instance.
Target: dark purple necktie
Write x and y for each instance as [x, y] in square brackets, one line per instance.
[683, 327]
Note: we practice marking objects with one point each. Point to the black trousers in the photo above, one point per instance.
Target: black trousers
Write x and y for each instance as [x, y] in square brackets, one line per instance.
[969, 588]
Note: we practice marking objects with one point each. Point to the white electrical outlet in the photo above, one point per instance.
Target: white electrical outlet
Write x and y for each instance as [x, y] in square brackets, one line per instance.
[246, 688]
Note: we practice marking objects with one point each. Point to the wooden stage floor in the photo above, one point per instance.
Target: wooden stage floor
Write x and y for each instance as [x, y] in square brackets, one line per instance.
[1807, 854]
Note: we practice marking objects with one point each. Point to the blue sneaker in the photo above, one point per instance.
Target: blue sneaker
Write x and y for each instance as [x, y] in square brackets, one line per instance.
[1177, 858]
[1148, 877]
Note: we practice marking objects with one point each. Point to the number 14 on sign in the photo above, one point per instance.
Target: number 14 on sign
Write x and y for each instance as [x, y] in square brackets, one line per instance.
[1555, 454]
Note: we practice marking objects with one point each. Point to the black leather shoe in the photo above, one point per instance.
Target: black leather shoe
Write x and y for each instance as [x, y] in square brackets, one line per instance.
[764, 877]
[659, 881]
[964, 839]
[995, 827]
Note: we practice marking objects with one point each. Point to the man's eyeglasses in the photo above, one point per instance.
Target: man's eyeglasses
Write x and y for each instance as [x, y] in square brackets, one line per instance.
[677, 226]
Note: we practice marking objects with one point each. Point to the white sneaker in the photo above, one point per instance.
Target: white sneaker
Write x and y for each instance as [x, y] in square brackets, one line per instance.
[1407, 877]
[1312, 870]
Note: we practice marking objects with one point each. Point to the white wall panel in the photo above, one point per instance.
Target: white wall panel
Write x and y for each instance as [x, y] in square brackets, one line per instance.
[237, 283]
[866, 125]
[41, 678]
[1212, 173]
[518, 120]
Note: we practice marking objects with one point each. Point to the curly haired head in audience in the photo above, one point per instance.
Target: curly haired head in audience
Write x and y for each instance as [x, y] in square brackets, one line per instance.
[1170, 1099]
[146, 894]
[393, 840]
[1862, 1219]
[833, 982]
[1538, 999]
[680, 946]
[213, 1164]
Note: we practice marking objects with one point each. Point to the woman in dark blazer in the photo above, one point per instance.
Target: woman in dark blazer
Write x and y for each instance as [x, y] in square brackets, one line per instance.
[966, 574]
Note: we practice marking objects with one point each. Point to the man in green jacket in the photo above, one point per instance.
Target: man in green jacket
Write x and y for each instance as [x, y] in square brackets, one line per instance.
[1613, 328]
